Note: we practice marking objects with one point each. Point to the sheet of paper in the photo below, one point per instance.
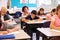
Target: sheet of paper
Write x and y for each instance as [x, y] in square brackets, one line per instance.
[13, 32]
[55, 30]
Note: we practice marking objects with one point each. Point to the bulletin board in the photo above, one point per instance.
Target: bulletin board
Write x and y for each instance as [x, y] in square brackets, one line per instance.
[21, 3]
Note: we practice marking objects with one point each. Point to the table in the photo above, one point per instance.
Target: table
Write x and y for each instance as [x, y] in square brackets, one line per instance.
[48, 33]
[32, 25]
[37, 24]
[43, 17]
[34, 22]
[21, 35]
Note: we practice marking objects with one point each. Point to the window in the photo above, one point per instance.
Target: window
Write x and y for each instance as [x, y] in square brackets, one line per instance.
[46, 2]
[58, 1]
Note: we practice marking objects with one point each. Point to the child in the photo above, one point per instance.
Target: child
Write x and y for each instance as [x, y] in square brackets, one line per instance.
[25, 11]
[31, 17]
[41, 12]
[55, 23]
[50, 15]
[7, 20]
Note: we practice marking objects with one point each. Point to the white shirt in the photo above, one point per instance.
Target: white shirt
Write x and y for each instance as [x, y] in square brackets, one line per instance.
[2, 18]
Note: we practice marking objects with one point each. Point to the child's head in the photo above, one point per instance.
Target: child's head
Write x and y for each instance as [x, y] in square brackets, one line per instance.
[58, 10]
[33, 13]
[25, 9]
[53, 12]
[41, 11]
[3, 10]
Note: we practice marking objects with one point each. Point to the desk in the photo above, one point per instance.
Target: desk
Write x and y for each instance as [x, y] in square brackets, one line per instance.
[43, 17]
[21, 35]
[35, 22]
[48, 32]
[32, 25]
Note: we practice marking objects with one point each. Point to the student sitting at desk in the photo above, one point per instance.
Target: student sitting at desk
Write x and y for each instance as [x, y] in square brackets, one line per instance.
[6, 19]
[55, 23]
[31, 17]
[25, 11]
[50, 15]
[3, 32]
[41, 12]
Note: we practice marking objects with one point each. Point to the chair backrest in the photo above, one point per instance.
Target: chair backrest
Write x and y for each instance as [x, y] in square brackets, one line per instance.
[18, 14]
[46, 24]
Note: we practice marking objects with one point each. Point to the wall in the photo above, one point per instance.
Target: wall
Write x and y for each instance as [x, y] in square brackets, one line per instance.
[3, 3]
[17, 4]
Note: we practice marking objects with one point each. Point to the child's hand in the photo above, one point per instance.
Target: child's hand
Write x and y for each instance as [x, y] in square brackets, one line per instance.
[5, 32]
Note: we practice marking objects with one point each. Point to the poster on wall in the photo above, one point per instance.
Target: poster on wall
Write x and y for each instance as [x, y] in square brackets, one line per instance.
[24, 1]
[32, 1]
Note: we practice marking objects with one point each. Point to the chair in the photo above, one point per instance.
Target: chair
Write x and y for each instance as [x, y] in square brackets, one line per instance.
[46, 24]
[18, 14]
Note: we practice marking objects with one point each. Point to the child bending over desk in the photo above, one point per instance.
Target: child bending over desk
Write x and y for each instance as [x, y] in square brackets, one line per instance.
[31, 17]
[50, 15]
[55, 23]
[7, 20]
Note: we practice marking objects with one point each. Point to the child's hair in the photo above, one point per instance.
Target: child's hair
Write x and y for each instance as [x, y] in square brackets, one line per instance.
[53, 10]
[24, 8]
[41, 9]
[34, 12]
[57, 8]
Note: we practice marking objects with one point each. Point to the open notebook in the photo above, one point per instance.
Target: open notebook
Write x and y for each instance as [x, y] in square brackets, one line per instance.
[13, 32]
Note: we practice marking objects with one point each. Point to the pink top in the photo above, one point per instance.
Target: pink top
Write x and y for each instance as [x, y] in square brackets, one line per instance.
[56, 20]
[49, 15]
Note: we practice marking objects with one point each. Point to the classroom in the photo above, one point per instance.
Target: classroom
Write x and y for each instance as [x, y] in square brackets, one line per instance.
[29, 19]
